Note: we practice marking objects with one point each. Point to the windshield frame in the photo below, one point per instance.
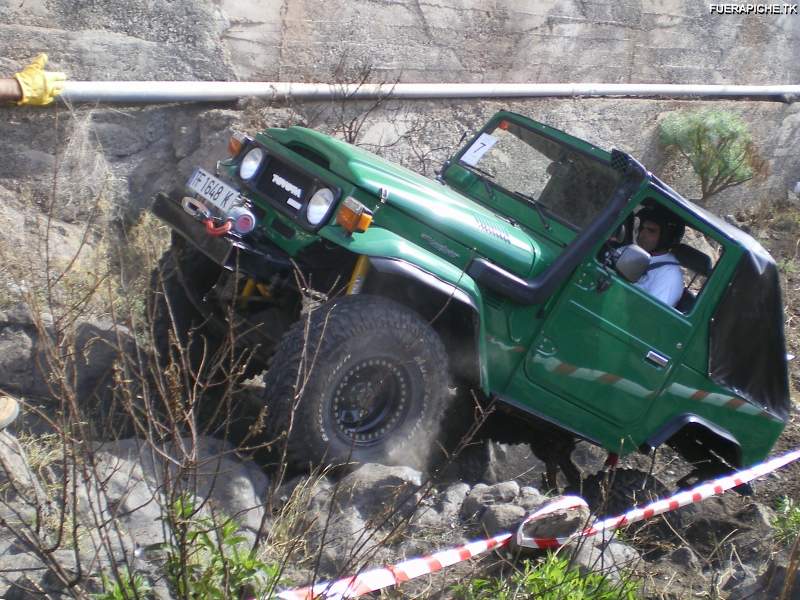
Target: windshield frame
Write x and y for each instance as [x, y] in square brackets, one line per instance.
[565, 144]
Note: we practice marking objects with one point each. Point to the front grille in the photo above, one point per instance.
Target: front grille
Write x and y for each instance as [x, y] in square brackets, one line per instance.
[288, 188]
[282, 228]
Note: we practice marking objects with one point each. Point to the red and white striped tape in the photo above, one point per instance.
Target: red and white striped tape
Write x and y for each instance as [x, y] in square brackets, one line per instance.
[561, 506]
[376, 579]
[696, 494]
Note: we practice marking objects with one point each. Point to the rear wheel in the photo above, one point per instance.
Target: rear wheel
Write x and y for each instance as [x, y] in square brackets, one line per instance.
[361, 379]
[613, 493]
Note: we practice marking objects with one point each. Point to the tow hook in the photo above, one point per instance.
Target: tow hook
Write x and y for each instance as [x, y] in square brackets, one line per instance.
[199, 211]
[215, 230]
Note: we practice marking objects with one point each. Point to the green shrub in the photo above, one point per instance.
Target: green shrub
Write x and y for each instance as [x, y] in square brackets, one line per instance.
[210, 559]
[787, 520]
[551, 579]
[718, 146]
[126, 586]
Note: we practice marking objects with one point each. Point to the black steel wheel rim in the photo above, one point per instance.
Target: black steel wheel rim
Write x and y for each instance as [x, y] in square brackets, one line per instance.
[371, 400]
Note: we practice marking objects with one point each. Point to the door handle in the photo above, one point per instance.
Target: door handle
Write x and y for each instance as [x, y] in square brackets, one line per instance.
[657, 359]
[603, 283]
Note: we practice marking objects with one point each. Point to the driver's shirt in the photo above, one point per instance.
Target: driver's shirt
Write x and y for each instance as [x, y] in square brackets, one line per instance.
[664, 283]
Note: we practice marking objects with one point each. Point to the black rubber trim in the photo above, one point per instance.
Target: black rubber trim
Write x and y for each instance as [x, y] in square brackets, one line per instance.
[528, 411]
[677, 423]
[404, 269]
[539, 289]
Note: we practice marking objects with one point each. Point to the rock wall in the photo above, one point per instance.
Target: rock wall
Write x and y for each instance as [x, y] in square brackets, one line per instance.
[446, 40]
[148, 149]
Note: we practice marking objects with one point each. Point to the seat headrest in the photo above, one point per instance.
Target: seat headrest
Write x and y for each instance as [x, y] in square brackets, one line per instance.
[693, 259]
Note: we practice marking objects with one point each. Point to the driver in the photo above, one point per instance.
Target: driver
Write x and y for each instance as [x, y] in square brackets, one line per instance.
[659, 232]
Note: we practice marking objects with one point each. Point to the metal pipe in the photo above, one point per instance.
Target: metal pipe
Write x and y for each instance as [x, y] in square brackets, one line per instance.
[220, 91]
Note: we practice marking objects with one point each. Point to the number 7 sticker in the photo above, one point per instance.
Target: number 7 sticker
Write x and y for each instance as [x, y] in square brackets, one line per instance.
[481, 146]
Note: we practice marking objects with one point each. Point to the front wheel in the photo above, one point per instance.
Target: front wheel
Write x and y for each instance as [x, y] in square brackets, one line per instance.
[177, 285]
[361, 379]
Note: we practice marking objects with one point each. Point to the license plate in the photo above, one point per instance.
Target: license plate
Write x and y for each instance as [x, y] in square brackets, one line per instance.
[217, 192]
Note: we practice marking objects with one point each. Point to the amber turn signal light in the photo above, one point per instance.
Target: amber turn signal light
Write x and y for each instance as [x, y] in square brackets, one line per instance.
[236, 143]
[353, 216]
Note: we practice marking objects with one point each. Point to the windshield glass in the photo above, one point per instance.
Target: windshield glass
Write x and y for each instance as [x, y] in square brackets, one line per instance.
[568, 185]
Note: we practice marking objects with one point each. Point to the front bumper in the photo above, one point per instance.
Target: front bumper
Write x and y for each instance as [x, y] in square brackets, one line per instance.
[229, 251]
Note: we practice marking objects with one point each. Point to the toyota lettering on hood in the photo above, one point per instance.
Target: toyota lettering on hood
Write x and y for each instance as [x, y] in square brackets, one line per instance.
[287, 186]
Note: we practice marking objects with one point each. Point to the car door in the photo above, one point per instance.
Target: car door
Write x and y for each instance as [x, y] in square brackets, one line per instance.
[606, 347]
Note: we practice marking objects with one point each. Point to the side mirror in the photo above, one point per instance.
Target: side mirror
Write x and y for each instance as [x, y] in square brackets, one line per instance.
[631, 262]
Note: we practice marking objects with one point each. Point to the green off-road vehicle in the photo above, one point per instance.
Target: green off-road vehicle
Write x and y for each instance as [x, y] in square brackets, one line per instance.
[370, 293]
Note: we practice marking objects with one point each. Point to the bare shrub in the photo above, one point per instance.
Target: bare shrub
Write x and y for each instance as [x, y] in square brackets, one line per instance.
[71, 517]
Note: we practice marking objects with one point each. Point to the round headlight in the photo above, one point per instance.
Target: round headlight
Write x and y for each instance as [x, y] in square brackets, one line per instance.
[250, 163]
[319, 205]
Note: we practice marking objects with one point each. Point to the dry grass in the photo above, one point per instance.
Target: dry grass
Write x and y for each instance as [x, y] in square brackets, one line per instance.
[286, 539]
[75, 270]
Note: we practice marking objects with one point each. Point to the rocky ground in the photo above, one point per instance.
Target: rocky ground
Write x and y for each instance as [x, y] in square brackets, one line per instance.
[325, 524]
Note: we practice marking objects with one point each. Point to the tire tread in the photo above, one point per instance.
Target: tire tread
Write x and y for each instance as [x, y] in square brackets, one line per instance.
[329, 327]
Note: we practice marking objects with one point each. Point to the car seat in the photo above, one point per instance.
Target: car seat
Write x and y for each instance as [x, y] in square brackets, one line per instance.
[699, 264]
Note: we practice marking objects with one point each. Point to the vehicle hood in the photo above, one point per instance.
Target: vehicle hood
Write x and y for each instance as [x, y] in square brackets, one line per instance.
[427, 201]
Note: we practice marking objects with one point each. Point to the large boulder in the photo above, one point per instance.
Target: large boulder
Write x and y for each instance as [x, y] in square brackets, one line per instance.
[23, 575]
[489, 461]
[88, 358]
[501, 518]
[482, 496]
[614, 559]
[381, 492]
[776, 580]
[16, 356]
[139, 479]
[346, 522]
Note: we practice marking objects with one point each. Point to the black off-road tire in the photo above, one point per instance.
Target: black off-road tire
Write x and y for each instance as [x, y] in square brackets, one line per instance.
[361, 379]
[628, 488]
[631, 488]
[182, 276]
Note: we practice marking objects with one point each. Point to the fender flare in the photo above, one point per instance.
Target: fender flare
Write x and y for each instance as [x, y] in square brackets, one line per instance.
[677, 423]
[387, 250]
[396, 266]
[401, 268]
